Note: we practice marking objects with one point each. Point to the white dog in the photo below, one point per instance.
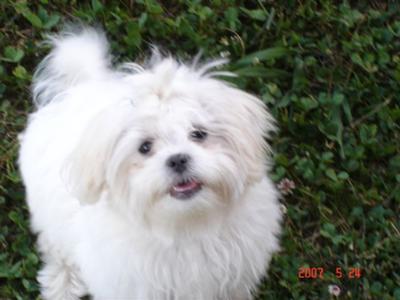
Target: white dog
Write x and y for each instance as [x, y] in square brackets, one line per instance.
[146, 182]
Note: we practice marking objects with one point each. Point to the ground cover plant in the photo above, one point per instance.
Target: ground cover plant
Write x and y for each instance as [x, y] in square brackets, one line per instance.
[330, 73]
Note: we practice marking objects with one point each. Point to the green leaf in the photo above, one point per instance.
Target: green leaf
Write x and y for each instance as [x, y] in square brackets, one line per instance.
[347, 111]
[12, 54]
[34, 19]
[258, 71]
[368, 134]
[328, 230]
[356, 58]
[142, 20]
[281, 159]
[263, 55]
[96, 5]
[153, 7]
[376, 288]
[134, 37]
[323, 98]
[337, 99]
[22, 8]
[20, 72]
[231, 15]
[343, 175]
[308, 103]
[330, 173]
[256, 14]
[333, 129]
[15, 217]
[384, 57]
[396, 294]
[52, 21]
[283, 102]
[327, 156]
[32, 257]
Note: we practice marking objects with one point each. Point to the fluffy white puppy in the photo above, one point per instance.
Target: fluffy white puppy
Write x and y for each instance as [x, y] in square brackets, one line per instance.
[148, 183]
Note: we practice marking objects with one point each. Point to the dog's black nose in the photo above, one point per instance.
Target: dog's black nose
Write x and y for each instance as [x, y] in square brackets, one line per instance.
[178, 162]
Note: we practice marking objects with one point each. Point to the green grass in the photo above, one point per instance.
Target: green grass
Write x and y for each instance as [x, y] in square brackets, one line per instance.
[330, 73]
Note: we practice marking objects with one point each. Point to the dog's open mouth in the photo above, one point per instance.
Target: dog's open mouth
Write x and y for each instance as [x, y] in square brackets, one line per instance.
[185, 189]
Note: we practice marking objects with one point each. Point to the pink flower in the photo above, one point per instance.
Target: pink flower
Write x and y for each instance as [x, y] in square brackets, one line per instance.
[286, 186]
[334, 290]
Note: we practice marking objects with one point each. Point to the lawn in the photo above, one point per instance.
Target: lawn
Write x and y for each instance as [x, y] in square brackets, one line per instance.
[330, 73]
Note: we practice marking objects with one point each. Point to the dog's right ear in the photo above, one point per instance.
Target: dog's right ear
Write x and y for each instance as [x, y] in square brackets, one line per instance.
[85, 169]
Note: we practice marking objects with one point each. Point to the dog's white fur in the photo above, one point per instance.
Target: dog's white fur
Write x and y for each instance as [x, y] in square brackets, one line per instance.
[106, 222]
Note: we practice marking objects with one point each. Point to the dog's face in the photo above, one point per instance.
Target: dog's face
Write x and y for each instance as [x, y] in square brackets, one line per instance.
[184, 147]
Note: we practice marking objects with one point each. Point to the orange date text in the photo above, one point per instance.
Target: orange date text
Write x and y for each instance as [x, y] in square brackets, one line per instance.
[318, 272]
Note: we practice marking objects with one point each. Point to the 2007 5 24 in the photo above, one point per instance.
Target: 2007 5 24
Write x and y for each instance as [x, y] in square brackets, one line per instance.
[318, 272]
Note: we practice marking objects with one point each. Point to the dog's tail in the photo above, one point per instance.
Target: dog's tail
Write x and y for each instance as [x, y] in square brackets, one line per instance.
[77, 55]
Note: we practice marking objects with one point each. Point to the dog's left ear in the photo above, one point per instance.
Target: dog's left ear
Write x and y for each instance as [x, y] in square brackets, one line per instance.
[248, 124]
[85, 169]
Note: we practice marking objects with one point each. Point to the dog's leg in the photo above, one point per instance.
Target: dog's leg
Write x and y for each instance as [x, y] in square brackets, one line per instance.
[58, 280]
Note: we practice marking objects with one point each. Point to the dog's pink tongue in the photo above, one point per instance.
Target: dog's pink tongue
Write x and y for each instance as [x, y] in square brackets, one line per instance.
[187, 186]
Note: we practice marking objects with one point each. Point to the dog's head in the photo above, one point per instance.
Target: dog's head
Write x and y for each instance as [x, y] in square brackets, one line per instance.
[178, 145]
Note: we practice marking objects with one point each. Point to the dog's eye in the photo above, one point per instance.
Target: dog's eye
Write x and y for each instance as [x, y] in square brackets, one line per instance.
[145, 147]
[198, 135]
